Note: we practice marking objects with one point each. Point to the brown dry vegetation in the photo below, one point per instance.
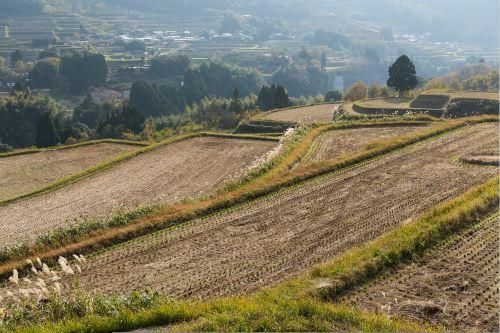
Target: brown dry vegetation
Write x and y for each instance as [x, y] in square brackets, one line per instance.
[455, 285]
[185, 169]
[306, 114]
[21, 174]
[336, 143]
[271, 239]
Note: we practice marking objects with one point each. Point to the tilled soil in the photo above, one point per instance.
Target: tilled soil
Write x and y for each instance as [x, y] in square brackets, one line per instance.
[455, 285]
[269, 240]
[25, 173]
[307, 114]
[336, 143]
[172, 173]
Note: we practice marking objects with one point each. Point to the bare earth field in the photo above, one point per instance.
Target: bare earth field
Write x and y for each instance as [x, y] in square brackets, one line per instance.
[339, 142]
[307, 114]
[455, 285]
[185, 169]
[25, 173]
[272, 239]
[387, 103]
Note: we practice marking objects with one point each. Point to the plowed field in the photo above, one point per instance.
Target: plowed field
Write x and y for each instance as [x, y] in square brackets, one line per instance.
[339, 142]
[455, 285]
[25, 173]
[269, 240]
[171, 173]
[307, 114]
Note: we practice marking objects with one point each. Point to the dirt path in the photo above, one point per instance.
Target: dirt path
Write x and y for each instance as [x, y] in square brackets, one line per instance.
[172, 173]
[272, 239]
[455, 285]
[335, 143]
[307, 114]
[25, 173]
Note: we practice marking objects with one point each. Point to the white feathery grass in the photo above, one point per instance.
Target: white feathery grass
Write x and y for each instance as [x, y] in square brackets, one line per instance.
[46, 270]
[57, 288]
[39, 262]
[14, 279]
[284, 140]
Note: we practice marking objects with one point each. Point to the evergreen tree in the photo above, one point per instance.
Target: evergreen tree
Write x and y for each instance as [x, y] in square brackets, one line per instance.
[88, 113]
[333, 96]
[236, 102]
[265, 99]
[44, 74]
[15, 56]
[323, 60]
[280, 99]
[132, 118]
[195, 87]
[22, 88]
[46, 132]
[304, 55]
[402, 75]
[83, 70]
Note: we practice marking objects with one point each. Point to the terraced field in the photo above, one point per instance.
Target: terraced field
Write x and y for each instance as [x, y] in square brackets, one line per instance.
[465, 94]
[339, 142]
[269, 240]
[387, 103]
[24, 173]
[455, 285]
[307, 114]
[171, 173]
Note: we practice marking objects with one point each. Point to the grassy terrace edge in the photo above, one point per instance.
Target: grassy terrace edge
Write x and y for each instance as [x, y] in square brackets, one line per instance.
[298, 304]
[82, 144]
[112, 162]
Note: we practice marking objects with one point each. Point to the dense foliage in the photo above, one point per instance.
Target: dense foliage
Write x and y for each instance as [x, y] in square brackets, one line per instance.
[21, 6]
[331, 39]
[302, 78]
[213, 80]
[27, 120]
[470, 77]
[358, 91]
[119, 120]
[45, 74]
[83, 70]
[156, 101]
[272, 97]
[166, 66]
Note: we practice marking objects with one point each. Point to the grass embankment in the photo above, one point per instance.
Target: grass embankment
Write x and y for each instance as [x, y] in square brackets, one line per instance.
[300, 304]
[274, 177]
[82, 144]
[110, 163]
